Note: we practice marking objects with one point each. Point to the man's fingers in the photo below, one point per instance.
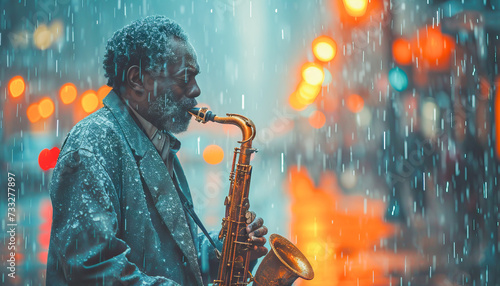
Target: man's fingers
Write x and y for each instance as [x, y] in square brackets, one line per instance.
[259, 251]
[258, 232]
[255, 224]
[259, 241]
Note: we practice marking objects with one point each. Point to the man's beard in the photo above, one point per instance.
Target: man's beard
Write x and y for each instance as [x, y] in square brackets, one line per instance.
[170, 115]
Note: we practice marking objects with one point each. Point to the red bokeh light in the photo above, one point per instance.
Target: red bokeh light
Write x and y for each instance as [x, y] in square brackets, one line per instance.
[47, 159]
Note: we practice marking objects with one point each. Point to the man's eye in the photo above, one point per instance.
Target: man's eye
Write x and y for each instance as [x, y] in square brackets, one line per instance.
[181, 79]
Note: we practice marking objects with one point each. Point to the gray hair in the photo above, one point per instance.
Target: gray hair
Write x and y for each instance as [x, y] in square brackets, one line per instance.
[145, 42]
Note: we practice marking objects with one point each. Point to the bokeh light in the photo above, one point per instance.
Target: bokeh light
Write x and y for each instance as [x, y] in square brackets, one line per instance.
[313, 73]
[47, 159]
[324, 48]
[434, 44]
[16, 86]
[213, 154]
[46, 107]
[68, 93]
[398, 79]
[401, 51]
[42, 37]
[89, 101]
[33, 113]
[497, 116]
[102, 92]
[355, 8]
[355, 103]
[430, 115]
[317, 119]
[295, 103]
[307, 93]
[434, 48]
[43, 256]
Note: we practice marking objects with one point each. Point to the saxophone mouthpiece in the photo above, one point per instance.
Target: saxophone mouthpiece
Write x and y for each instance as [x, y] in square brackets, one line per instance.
[202, 115]
[194, 111]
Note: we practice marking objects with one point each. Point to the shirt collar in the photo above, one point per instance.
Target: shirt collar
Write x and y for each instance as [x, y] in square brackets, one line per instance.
[151, 130]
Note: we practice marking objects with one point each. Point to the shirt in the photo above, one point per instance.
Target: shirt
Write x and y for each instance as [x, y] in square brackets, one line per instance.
[165, 143]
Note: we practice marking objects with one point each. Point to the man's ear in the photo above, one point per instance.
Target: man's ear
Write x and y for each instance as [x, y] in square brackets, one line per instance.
[134, 80]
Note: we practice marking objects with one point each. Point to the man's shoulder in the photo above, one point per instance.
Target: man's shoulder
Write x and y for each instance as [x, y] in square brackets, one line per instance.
[99, 130]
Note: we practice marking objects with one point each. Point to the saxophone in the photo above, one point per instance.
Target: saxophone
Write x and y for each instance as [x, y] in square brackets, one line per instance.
[284, 263]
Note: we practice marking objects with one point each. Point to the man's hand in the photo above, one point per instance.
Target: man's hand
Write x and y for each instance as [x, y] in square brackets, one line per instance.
[256, 231]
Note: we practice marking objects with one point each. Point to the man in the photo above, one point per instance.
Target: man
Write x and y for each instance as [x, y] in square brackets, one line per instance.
[118, 188]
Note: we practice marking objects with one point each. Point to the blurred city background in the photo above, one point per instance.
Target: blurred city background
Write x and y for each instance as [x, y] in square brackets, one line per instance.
[377, 125]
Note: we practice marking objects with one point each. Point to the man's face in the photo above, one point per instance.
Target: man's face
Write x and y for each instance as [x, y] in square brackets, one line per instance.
[173, 92]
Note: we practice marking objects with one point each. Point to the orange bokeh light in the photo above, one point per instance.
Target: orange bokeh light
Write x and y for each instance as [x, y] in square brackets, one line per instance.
[295, 103]
[68, 93]
[42, 256]
[313, 73]
[46, 107]
[89, 101]
[33, 113]
[434, 44]
[213, 154]
[355, 8]
[324, 48]
[339, 241]
[355, 103]
[16, 86]
[103, 91]
[434, 48]
[401, 51]
[317, 119]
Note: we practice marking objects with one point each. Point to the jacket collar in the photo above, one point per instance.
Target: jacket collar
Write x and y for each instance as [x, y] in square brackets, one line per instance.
[155, 174]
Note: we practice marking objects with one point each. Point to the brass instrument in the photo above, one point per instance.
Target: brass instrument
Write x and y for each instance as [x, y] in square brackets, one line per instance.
[284, 263]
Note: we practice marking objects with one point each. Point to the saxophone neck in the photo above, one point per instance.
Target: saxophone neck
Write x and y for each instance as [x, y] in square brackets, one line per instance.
[246, 125]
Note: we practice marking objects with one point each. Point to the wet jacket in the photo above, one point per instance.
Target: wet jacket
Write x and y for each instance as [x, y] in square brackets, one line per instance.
[117, 216]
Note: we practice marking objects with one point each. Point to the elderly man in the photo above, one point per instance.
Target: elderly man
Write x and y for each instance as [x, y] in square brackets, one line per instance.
[118, 191]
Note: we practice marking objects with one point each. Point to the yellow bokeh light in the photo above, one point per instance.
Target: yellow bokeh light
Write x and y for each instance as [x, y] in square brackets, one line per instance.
[313, 73]
[355, 8]
[42, 37]
[90, 101]
[307, 93]
[324, 48]
[213, 154]
[295, 103]
[68, 93]
[32, 113]
[46, 107]
[16, 86]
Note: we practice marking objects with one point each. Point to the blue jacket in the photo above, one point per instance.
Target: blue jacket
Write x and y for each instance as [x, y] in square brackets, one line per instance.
[117, 217]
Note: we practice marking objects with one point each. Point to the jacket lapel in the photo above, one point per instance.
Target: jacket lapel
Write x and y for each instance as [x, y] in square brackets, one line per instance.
[158, 182]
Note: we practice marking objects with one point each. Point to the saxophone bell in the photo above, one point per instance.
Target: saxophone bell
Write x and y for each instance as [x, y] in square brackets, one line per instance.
[283, 264]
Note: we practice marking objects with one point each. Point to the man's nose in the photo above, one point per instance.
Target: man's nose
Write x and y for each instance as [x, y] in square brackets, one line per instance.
[194, 90]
